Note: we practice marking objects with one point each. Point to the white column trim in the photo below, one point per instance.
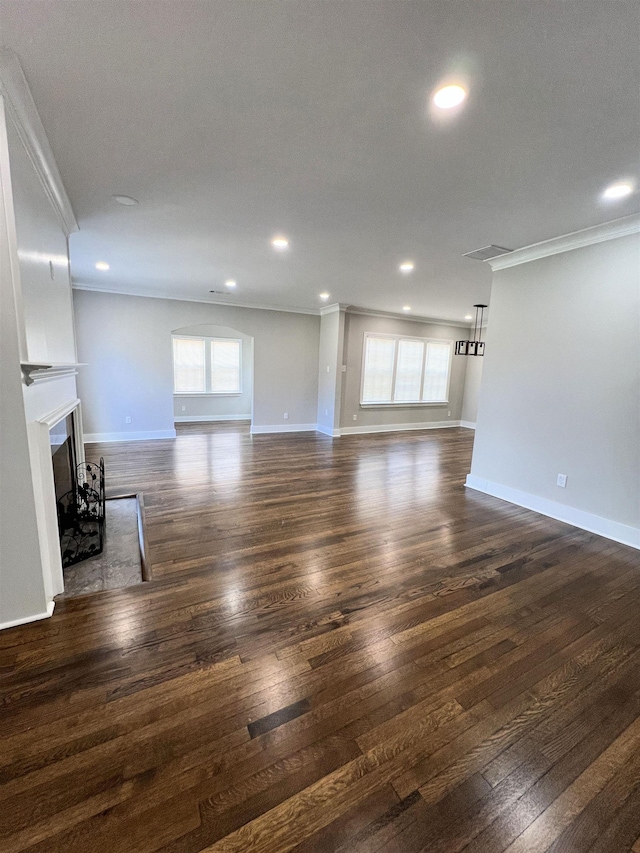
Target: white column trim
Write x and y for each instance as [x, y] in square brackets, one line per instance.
[22, 111]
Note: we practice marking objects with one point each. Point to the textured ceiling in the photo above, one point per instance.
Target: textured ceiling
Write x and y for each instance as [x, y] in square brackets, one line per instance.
[232, 121]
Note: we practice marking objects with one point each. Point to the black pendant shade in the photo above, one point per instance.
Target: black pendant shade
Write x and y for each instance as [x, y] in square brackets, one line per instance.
[476, 346]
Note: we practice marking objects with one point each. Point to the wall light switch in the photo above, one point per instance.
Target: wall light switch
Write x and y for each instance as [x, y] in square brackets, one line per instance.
[184, 408]
[286, 416]
[561, 481]
[344, 368]
[328, 369]
[127, 420]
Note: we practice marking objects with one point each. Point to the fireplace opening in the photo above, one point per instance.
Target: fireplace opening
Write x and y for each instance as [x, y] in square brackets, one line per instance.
[63, 456]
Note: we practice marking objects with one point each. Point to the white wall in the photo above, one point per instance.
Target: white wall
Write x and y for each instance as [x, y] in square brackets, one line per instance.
[22, 592]
[384, 416]
[472, 383]
[37, 326]
[561, 387]
[126, 343]
[218, 407]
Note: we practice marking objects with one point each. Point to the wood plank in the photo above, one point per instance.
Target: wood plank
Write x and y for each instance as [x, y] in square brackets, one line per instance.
[341, 649]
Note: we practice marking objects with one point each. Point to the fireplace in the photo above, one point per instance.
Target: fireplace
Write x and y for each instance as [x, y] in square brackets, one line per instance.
[63, 456]
[79, 493]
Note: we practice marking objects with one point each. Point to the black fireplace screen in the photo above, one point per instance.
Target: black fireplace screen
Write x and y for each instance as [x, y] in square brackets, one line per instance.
[81, 515]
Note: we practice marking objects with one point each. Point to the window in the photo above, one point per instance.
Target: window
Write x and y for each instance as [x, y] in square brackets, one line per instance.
[206, 365]
[405, 370]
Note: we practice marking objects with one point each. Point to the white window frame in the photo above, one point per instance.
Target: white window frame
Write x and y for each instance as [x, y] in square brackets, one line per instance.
[207, 367]
[404, 404]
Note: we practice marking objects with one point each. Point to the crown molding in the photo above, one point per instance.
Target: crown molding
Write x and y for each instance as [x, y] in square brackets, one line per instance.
[576, 240]
[432, 321]
[78, 285]
[314, 312]
[23, 113]
[332, 309]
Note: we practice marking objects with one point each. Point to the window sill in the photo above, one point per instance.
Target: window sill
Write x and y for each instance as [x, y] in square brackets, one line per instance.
[207, 394]
[441, 403]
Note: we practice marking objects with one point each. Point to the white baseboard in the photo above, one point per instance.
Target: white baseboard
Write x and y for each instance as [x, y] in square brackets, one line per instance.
[267, 428]
[334, 433]
[622, 533]
[468, 424]
[26, 619]
[206, 419]
[360, 430]
[90, 437]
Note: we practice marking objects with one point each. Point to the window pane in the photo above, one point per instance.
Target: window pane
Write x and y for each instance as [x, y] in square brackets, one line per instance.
[188, 365]
[409, 371]
[436, 372]
[378, 370]
[225, 366]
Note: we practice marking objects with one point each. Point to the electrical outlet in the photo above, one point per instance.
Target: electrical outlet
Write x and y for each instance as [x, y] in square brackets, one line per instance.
[355, 417]
[326, 412]
[328, 369]
[286, 416]
[127, 420]
[561, 481]
[448, 414]
[184, 408]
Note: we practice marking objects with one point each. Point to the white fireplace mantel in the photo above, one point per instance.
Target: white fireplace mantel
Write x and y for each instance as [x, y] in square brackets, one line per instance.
[40, 372]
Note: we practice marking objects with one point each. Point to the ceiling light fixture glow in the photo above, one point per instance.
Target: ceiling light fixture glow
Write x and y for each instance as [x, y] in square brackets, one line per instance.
[468, 316]
[325, 295]
[230, 283]
[126, 200]
[406, 307]
[280, 243]
[103, 266]
[620, 189]
[450, 96]
[407, 266]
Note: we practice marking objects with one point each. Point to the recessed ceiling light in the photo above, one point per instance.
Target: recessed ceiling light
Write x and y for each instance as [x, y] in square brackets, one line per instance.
[127, 200]
[618, 190]
[406, 307]
[325, 295]
[280, 243]
[468, 317]
[102, 265]
[449, 96]
[407, 266]
[230, 283]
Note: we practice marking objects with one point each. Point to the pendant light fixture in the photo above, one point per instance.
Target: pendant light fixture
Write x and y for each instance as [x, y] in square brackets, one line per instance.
[476, 346]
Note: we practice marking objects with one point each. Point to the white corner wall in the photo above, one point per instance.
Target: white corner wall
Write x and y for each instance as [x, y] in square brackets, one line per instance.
[37, 326]
[22, 589]
[332, 325]
[561, 388]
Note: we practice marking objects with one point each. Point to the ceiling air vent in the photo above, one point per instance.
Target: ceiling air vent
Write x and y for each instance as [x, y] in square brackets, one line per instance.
[487, 253]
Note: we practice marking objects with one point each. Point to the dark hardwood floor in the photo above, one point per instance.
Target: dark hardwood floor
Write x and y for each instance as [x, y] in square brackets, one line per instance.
[341, 649]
